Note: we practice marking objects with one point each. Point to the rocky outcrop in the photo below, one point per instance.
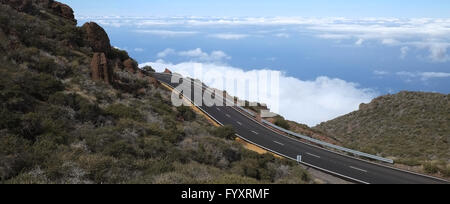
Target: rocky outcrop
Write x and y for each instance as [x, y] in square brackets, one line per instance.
[167, 71]
[153, 81]
[62, 10]
[117, 65]
[96, 38]
[141, 73]
[130, 66]
[100, 70]
[55, 7]
[19, 5]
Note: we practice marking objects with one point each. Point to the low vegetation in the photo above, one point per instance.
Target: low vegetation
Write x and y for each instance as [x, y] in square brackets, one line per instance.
[411, 127]
[59, 126]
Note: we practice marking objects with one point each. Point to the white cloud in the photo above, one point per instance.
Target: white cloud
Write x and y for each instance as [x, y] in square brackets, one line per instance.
[334, 36]
[229, 36]
[404, 51]
[390, 42]
[406, 74]
[424, 76]
[304, 101]
[428, 75]
[282, 35]
[196, 55]
[438, 52]
[359, 42]
[139, 49]
[167, 33]
[380, 73]
[429, 34]
[166, 53]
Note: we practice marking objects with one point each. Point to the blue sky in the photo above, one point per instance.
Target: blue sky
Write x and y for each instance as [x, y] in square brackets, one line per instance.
[316, 8]
[332, 56]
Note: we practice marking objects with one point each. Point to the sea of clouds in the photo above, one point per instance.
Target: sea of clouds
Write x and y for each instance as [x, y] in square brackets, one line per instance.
[304, 101]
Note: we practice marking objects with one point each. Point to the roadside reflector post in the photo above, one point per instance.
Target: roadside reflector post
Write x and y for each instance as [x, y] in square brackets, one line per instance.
[299, 158]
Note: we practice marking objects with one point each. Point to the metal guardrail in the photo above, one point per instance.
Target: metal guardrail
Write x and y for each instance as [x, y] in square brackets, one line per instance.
[247, 111]
[354, 152]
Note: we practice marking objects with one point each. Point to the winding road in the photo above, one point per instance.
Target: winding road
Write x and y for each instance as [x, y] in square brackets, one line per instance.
[349, 168]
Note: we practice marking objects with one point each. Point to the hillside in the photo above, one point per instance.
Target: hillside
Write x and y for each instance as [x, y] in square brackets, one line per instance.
[291, 125]
[76, 110]
[411, 127]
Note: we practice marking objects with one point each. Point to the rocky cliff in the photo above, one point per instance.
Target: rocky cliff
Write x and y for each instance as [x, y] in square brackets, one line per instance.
[28, 6]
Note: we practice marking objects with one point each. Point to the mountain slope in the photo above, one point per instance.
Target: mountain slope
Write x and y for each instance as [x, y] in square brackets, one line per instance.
[76, 110]
[411, 127]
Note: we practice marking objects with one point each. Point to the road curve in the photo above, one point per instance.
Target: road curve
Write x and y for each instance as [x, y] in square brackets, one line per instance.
[343, 166]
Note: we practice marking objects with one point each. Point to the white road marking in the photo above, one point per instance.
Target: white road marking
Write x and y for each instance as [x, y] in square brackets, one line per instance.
[279, 143]
[218, 109]
[255, 132]
[313, 155]
[239, 123]
[228, 116]
[358, 169]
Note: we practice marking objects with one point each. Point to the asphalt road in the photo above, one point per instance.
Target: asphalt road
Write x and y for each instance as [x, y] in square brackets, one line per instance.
[343, 166]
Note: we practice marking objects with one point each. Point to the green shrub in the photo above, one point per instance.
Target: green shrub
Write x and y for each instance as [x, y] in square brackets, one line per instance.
[157, 167]
[97, 167]
[4, 23]
[119, 149]
[117, 53]
[409, 162]
[31, 126]
[9, 120]
[148, 69]
[153, 147]
[29, 54]
[225, 132]
[43, 150]
[281, 122]
[46, 65]
[186, 113]
[174, 135]
[71, 100]
[250, 168]
[161, 107]
[232, 155]
[88, 112]
[72, 34]
[430, 168]
[446, 171]
[40, 86]
[119, 111]
[16, 100]
[85, 110]
[15, 155]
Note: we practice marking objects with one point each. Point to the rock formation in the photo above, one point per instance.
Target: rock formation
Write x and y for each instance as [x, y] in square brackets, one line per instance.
[100, 70]
[167, 71]
[117, 65]
[96, 38]
[105, 60]
[62, 10]
[130, 66]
